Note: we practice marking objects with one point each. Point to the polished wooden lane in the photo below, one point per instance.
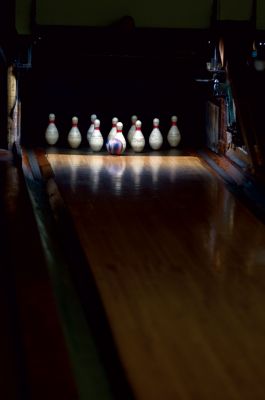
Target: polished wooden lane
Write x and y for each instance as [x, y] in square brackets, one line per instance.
[179, 264]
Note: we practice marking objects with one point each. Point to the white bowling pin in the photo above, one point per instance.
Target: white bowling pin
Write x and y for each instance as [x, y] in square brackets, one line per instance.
[113, 130]
[155, 138]
[96, 139]
[173, 135]
[132, 129]
[91, 128]
[74, 135]
[119, 135]
[51, 134]
[138, 141]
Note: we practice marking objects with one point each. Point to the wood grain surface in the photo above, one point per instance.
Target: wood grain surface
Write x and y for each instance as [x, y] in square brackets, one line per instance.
[180, 267]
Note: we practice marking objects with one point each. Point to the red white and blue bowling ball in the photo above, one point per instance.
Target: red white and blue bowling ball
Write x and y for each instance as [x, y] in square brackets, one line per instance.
[114, 146]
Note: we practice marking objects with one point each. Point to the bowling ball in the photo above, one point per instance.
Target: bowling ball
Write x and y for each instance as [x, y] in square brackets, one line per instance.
[114, 146]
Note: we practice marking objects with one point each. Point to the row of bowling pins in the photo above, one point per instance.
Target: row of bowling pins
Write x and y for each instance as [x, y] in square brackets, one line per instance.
[135, 136]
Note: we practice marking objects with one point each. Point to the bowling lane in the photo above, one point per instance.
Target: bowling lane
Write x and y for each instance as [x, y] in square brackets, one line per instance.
[180, 267]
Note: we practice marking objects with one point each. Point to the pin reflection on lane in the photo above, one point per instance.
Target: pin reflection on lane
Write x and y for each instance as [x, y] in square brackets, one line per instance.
[116, 167]
[136, 165]
[95, 168]
[155, 164]
[125, 175]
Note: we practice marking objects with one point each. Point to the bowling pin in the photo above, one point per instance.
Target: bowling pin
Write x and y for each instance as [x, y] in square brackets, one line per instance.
[91, 128]
[74, 135]
[173, 135]
[51, 134]
[155, 138]
[113, 130]
[96, 139]
[132, 129]
[138, 141]
[119, 135]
